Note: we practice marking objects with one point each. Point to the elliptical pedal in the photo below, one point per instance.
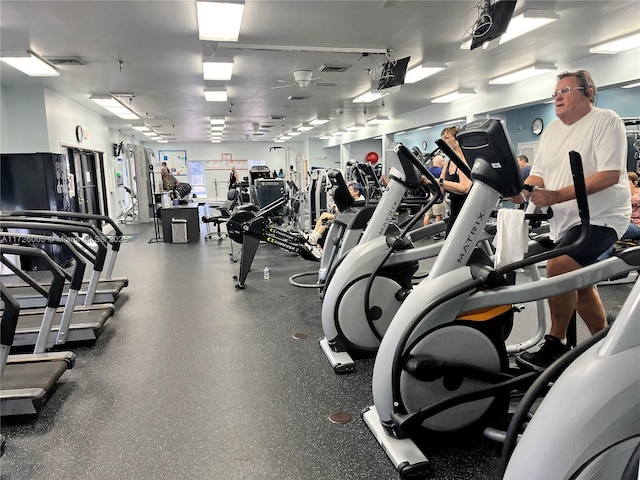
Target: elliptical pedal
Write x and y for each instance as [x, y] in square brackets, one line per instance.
[406, 457]
[341, 362]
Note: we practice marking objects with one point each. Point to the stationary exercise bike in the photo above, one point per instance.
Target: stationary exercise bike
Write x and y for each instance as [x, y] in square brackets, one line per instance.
[441, 366]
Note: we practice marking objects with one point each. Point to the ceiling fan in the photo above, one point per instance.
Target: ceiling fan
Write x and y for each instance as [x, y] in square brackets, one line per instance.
[304, 79]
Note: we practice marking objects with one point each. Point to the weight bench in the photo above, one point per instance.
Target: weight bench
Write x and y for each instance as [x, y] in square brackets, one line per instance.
[222, 217]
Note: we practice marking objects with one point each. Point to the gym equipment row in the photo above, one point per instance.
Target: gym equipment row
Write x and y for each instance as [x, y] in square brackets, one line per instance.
[55, 309]
[431, 340]
[442, 364]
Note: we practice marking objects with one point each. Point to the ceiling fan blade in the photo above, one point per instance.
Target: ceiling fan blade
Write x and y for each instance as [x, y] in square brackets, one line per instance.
[283, 86]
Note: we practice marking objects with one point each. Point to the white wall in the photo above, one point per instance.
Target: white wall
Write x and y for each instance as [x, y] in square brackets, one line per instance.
[24, 123]
[38, 120]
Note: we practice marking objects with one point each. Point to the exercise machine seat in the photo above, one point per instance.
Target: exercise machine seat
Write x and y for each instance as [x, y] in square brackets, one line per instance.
[223, 215]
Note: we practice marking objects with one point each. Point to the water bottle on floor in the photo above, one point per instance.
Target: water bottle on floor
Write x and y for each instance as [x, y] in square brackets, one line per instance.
[265, 272]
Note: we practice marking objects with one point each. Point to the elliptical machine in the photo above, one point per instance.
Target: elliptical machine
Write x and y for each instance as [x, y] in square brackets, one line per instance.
[441, 367]
[350, 326]
[599, 436]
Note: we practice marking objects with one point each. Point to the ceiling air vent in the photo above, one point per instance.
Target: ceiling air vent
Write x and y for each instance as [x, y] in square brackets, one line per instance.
[333, 68]
[74, 61]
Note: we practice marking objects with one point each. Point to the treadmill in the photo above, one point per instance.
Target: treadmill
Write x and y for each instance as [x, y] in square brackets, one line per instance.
[28, 379]
[72, 323]
[95, 290]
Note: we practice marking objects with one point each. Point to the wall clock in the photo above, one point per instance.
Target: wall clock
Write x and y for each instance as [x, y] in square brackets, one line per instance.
[537, 126]
[79, 133]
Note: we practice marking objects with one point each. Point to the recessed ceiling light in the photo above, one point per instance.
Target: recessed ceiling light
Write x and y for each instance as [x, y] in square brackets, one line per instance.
[217, 68]
[423, 71]
[522, 74]
[318, 121]
[618, 45]
[454, 96]
[526, 21]
[369, 97]
[108, 102]
[220, 21]
[29, 63]
[215, 94]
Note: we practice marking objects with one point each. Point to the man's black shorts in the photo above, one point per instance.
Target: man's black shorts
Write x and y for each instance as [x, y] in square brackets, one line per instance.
[599, 241]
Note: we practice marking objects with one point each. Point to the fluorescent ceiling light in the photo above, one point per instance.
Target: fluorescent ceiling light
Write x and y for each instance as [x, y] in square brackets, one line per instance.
[305, 127]
[369, 97]
[423, 71]
[617, 45]
[142, 128]
[213, 140]
[29, 63]
[426, 127]
[631, 85]
[454, 96]
[217, 128]
[149, 133]
[337, 133]
[465, 44]
[318, 121]
[526, 21]
[220, 21]
[285, 137]
[376, 120]
[325, 137]
[357, 126]
[294, 134]
[278, 140]
[217, 68]
[522, 74]
[110, 103]
[215, 94]
[216, 121]
[163, 141]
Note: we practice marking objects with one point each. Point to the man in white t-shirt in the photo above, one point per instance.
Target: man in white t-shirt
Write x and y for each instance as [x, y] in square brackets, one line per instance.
[599, 137]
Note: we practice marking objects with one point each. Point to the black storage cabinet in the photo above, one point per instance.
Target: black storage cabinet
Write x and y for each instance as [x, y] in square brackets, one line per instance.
[36, 181]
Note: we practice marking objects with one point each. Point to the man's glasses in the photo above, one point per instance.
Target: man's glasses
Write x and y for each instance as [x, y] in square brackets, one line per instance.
[565, 91]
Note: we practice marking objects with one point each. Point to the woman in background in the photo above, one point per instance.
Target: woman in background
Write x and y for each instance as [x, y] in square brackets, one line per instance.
[452, 180]
[633, 230]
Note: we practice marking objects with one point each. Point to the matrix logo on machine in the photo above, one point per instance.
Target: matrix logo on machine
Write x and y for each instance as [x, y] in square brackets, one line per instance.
[471, 239]
[387, 220]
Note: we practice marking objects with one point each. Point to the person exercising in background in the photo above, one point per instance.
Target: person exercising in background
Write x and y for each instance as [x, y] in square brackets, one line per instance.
[169, 182]
[599, 136]
[452, 180]
[356, 190]
[525, 168]
[437, 209]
